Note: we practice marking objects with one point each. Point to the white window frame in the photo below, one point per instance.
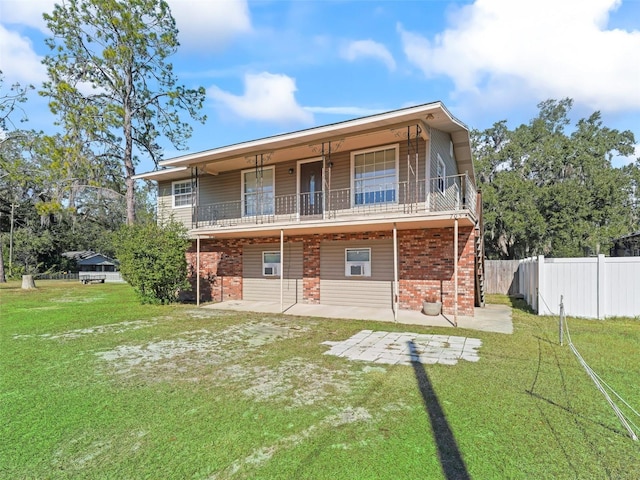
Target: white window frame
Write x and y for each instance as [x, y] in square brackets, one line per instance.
[396, 147]
[275, 266]
[174, 195]
[365, 265]
[441, 175]
[242, 192]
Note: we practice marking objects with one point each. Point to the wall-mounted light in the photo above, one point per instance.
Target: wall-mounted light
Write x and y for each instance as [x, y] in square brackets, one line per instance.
[291, 171]
[330, 164]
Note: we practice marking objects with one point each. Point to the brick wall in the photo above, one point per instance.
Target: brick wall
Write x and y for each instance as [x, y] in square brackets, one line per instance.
[425, 269]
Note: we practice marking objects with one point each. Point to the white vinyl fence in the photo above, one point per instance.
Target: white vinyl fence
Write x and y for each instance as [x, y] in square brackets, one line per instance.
[593, 287]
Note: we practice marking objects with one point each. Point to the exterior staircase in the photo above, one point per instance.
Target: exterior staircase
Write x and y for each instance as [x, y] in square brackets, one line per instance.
[479, 255]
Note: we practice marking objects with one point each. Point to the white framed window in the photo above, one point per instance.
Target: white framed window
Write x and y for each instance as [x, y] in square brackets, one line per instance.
[182, 193]
[357, 262]
[374, 176]
[271, 264]
[441, 174]
[258, 192]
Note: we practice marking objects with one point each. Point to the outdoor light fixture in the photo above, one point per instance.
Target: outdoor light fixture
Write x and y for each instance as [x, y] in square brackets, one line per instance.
[291, 171]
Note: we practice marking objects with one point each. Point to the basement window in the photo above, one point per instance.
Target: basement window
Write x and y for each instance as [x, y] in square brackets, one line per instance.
[357, 262]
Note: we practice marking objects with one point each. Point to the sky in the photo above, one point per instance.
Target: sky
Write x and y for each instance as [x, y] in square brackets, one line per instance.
[276, 66]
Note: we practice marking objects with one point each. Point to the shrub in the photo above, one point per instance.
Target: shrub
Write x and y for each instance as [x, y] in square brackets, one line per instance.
[153, 261]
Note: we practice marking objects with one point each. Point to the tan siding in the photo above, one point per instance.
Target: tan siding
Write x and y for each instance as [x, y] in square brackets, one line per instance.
[332, 259]
[440, 144]
[357, 293]
[224, 187]
[165, 206]
[338, 289]
[257, 287]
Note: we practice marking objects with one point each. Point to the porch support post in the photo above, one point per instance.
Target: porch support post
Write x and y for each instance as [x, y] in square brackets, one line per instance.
[396, 293]
[455, 271]
[198, 271]
[281, 270]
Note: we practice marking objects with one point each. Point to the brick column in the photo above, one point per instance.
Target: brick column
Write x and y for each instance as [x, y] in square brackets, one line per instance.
[311, 269]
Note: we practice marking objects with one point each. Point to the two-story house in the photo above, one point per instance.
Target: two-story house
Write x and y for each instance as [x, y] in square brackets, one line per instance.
[381, 211]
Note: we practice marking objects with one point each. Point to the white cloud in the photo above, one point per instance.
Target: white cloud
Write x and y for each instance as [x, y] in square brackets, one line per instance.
[543, 48]
[18, 61]
[267, 96]
[208, 24]
[369, 49]
[27, 12]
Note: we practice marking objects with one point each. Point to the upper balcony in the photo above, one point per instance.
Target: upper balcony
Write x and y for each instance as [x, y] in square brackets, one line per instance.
[435, 202]
[401, 168]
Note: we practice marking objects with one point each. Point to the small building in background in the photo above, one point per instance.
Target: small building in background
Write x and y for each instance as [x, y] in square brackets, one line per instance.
[626, 246]
[89, 261]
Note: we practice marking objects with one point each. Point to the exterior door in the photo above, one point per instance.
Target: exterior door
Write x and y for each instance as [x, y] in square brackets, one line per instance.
[310, 196]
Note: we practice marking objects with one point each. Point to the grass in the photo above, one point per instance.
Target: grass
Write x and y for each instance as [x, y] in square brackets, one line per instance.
[93, 385]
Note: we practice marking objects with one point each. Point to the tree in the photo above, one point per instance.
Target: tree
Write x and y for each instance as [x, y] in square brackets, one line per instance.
[549, 192]
[111, 84]
[10, 102]
[153, 260]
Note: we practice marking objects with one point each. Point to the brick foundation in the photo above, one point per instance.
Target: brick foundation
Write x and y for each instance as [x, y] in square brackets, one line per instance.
[425, 269]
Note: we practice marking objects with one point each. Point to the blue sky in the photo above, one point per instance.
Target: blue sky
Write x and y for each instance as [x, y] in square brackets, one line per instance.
[277, 66]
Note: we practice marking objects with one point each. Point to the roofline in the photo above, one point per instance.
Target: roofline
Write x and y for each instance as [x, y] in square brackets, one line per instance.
[323, 130]
[159, 173]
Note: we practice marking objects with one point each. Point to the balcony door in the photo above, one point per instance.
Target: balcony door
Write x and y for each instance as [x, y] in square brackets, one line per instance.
[310, 190]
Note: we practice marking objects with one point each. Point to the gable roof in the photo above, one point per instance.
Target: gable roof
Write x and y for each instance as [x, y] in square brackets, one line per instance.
[88, 257]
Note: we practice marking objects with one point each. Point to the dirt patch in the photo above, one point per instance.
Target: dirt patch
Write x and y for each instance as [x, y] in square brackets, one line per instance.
[294, 382]
[173, 358]
[97, 330]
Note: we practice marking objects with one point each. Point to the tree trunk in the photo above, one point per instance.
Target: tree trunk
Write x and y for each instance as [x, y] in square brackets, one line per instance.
[129, 167]
[3, 278]
[27, 282]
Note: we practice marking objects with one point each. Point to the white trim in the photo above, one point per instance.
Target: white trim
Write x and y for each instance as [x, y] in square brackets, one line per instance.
[364, 265]
[298, 163]
[173, 193]
[242, 192]
[441, 177]
[352, 173]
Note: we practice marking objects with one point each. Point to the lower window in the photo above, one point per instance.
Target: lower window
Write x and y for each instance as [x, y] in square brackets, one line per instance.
[357, 262]
[271, 264]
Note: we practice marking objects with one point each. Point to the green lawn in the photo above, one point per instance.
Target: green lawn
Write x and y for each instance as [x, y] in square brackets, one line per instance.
[93, 385]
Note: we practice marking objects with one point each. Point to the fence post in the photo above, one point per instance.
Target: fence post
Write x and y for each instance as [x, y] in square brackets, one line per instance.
[601, 299]
[540, 286]
[561, 320]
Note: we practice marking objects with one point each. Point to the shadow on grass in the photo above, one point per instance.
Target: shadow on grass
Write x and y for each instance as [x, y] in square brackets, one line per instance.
[453, 465]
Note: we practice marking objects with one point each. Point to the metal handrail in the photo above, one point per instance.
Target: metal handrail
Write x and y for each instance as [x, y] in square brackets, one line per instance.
[442, 194]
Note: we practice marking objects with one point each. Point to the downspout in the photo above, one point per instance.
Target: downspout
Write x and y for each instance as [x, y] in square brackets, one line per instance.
[395, 273]
[455, 271]
[281, 270]
[198, 270]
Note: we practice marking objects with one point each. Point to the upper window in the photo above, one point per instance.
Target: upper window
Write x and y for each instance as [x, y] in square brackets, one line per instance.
[375, 176]
[182, 193]
[441, 173]
[270, 264]
[257, 192]
[357, 262]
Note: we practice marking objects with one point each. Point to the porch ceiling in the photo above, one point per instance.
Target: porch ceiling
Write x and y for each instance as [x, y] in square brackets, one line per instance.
[442, 220]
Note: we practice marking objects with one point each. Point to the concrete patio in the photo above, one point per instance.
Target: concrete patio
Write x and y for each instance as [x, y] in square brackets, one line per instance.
[492, 318]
